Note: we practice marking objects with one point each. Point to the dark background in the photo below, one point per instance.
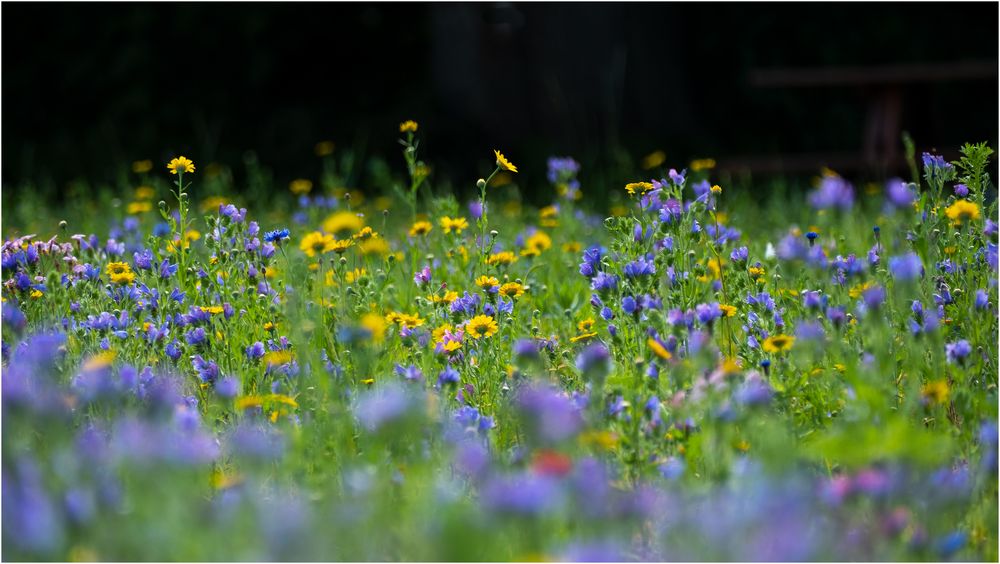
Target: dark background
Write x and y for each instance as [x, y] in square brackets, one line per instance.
[88, 88]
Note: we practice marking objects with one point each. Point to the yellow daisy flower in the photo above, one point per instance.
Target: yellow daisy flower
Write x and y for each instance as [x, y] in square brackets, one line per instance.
[634, 188]
[181, 163]
[316, 243]
[503, 163]
[778, 343]
[120, 273]
[300, 186]
[512, 290]
[457, 224]
[421, 228]
[961, 211]
[503, 257]
[481, 326]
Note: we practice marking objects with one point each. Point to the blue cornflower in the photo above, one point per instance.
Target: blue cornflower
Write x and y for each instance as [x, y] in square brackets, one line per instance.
[276, 236]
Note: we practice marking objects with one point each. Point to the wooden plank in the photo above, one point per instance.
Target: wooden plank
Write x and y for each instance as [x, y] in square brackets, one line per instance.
[873, 75]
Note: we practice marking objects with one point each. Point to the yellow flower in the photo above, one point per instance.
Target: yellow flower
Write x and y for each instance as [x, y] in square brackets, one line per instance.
[583, 337]
[539, 241]
[212, 203]
[572, 247]
[421, 228]
[936, 392]
[755, 272]
[300, 186]
[135, 208]
[654, 159]
[778, 343]
[368, 381]
[727, 310]
[512, 290]
[144, 193]
[249, 401]
[375, 325]
[407, 319]
[603, 439]
[342, 223]
[408, 126]
[503, 257]
[447, 298]
[638, 187]
[715, 266]
[503, 163]
[702, 164]
[856, 291]
[324, 148]
[374, 247]
[340, 246]
[961, 211]
[214, 310]
[451, 346]
[120, 273]
[486, 282]
[181, 163]
[585, 325]
[99, 360]
[365, 234]
[277, 358]
[501, 179]
[457, 225]
[658, 349]
[316, 243]
[481, 326]
[142, 166]
[438, 333]
[716, 189]
[354, 275]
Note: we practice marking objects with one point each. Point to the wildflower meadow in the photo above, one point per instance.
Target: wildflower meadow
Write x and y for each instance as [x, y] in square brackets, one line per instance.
[706, 368]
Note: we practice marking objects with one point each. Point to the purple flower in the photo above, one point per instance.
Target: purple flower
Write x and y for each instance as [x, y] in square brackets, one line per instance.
[550, 415]
[228, 387]
[629, 305]
[833, 192]
[377, 408]
[982, 299]
[899, 194]
[961, 190]
[448, 376]
[906, 267]
[873, 297]
[411, 373]
[604, 282]
[422, 277]
[957, 351]
[639, 267]
[739, 255]
[594, 361]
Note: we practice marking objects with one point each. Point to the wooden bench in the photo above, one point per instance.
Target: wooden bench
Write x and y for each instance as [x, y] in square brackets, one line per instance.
[884, 88]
